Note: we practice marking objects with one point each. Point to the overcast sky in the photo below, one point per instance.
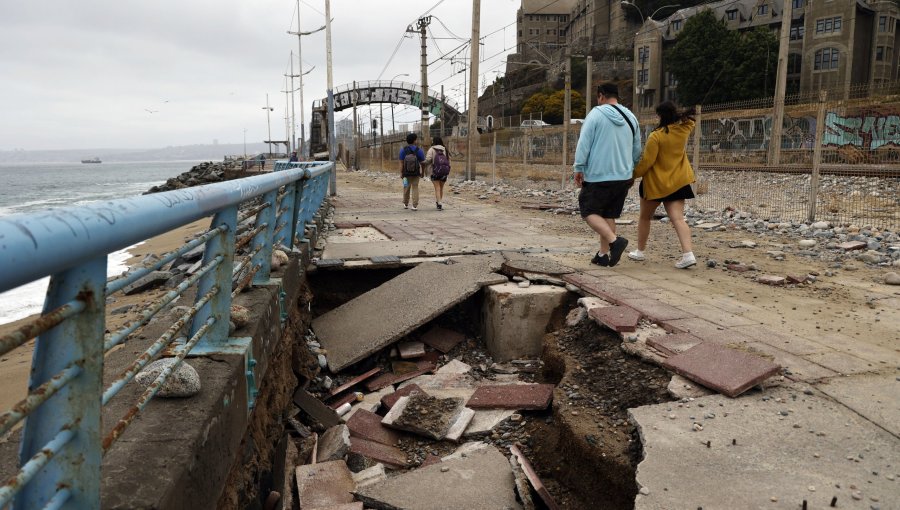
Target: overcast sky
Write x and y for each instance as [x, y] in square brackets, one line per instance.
[84, 74]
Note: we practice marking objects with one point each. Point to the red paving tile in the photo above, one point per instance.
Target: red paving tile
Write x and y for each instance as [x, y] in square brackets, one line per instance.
[616, 318]
[728, 371]
[356, 380]
[388, 401]
[346, 399]
[385, 380]
[367, 425]
[443, 339]
[673, 344]
[599, 287]
[324, 484]
[656, 310]
[430, 460]
[388, 455]
[706, 331]
[512, 396]
[534, 478]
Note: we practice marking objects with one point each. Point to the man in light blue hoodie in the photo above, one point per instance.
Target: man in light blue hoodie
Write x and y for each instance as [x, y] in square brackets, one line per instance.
[608, 148]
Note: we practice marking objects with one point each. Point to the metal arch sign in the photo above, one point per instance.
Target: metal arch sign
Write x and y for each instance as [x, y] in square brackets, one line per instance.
[396, 95]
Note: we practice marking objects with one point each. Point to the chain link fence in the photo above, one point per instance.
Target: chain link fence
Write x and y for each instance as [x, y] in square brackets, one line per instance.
[838, 159]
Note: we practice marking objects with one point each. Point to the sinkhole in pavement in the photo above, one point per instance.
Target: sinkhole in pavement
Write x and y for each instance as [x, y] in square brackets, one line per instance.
[582, 446]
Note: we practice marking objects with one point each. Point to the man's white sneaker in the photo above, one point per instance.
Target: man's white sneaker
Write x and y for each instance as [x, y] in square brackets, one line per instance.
[686, 262]
[637, 255]
[414, 208]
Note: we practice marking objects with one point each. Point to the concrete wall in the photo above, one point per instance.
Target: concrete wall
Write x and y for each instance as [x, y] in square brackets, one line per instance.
[515, 319]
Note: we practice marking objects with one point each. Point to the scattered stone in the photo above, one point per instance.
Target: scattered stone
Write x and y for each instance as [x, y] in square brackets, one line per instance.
[151, 281]
[410, 350]
[771, 279]
[334, 444]
[819, 225]
[853, 245]
[807, 243]
[370, 476]
[183, 382]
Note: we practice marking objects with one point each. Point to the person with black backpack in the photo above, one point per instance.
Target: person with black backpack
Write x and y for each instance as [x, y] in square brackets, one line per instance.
[411, 158]
[438, 162]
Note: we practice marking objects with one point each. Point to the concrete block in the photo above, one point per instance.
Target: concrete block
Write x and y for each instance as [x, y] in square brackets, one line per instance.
[482, 479]
[512, 396]
[410, 350]
[333, 444]
[324, 484]
[369, 476]
[515, 319]
[728, 371]
[443, 339]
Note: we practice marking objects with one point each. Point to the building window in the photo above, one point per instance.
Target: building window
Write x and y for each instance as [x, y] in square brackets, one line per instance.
[826, 59]
[762, 9]
[889, 54]
[642, 76]
[676, 25]
[828, 25]
[879, 53]
[562, 31]
[732, 14]
[796, 4]
[643, 54]
[520, 33]
[670, 80]
[882, 23]
[795, 62]
[797, 33]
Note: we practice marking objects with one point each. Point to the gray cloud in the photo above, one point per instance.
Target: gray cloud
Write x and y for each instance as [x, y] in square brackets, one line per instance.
[82, 74]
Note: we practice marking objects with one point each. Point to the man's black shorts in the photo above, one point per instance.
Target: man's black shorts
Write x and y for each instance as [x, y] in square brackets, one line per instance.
[605, 198]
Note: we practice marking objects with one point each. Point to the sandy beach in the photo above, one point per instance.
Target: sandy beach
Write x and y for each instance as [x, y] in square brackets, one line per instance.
[15, 366]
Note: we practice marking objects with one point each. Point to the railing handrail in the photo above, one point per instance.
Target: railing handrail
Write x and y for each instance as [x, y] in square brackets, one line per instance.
[39, 244]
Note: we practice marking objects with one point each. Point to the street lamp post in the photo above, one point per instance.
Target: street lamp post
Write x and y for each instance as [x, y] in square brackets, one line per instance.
[269, 109]
[394, 126]
[245, 143]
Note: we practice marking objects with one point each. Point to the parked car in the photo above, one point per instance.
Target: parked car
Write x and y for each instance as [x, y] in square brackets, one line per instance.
[534, 123]
[576, 121]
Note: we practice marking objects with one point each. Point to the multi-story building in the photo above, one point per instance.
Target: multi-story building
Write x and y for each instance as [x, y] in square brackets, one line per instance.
[540, 32]
[833, 43]
[599, 24]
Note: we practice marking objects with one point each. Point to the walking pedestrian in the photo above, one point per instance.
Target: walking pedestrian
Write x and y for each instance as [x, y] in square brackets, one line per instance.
[608, 148]
[666, 176]
[411, 158]
[437, 165]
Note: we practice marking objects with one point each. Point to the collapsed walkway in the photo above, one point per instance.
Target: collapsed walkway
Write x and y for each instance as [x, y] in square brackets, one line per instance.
[821, 422]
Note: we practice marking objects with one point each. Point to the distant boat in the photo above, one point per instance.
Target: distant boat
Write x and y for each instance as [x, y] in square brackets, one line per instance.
[92, 160]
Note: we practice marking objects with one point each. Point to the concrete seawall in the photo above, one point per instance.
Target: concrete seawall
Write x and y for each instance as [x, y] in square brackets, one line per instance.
[206, 451]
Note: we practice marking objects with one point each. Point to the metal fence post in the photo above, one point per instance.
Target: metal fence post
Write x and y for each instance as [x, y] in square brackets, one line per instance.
[263, 240]
[494, 160]
[219, 306]
[295, 213]
[817, 156]
[285, 236]
[76, 407]
[525, 148]
[698, 132]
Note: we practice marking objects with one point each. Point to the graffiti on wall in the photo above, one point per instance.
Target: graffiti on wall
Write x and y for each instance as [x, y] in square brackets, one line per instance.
[755, 133]
[867, 131]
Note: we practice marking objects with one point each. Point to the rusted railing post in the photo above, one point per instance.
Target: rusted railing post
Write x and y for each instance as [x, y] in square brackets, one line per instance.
[817, 156]
[219, 307]
[74, 411]
[263, 241]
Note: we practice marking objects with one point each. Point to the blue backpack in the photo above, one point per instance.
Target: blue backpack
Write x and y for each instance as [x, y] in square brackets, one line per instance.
[441, 167]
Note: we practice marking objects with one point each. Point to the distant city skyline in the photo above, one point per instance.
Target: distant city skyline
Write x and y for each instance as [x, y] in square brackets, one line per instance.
[100, 74]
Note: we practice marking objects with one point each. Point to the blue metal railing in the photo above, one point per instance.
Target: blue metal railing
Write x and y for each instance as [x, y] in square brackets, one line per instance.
[61, 444]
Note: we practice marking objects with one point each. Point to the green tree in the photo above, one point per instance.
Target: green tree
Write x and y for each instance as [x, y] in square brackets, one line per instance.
[714, 65]
[551, 105]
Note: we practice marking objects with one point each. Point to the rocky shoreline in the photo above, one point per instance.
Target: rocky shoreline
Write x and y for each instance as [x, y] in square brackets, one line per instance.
[207, 172]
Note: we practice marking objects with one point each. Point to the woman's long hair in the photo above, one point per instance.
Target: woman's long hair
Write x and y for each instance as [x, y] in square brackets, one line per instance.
[668, 114]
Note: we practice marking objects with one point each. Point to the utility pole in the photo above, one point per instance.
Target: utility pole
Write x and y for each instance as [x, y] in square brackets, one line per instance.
[567, 116]
[443, 102]
[302, 145]
[355, 131]
[268, 109]
[422, 25]
[780, 84]
[473, 90]
[587, 96]
[293, 115]
[331, 138]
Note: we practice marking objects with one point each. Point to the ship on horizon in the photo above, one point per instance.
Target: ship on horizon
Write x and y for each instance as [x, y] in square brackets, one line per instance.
[92, 160]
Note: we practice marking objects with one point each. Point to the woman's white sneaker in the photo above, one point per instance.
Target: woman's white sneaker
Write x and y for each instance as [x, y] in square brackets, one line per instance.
[686, 261]
[637, 255]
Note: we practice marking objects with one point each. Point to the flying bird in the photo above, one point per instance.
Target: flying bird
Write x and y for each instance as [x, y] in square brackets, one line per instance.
[150, 111]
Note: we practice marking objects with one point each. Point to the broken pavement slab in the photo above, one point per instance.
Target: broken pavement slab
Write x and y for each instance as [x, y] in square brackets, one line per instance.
[324, 484]
[481, 479]
[372, 452]
[388, 401]
[533, 478]
[315, 408]
[673, 344]
[359, 327]
[769, 451]
[367, 425]
[518, 265]
[443, 339]
[390, 378]
[512, 396]
[354, 381]
[728, 371]
[333, 444]
[873, 396]
[617, 318]
[435, 418]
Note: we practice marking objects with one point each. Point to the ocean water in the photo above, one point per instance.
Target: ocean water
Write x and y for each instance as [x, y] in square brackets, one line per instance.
[31, 187]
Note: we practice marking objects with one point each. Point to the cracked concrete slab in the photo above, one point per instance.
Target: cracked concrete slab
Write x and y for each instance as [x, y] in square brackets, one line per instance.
[358, 328]
[481, 479]
[763, 451]
[873, 396]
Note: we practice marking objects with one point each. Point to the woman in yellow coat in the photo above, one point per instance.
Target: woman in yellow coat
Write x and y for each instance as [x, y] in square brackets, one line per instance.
[666, 178]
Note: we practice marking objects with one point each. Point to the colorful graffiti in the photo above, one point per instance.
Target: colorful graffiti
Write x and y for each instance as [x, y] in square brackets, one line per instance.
[755, 133]
[863, 132]
[396, 95]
